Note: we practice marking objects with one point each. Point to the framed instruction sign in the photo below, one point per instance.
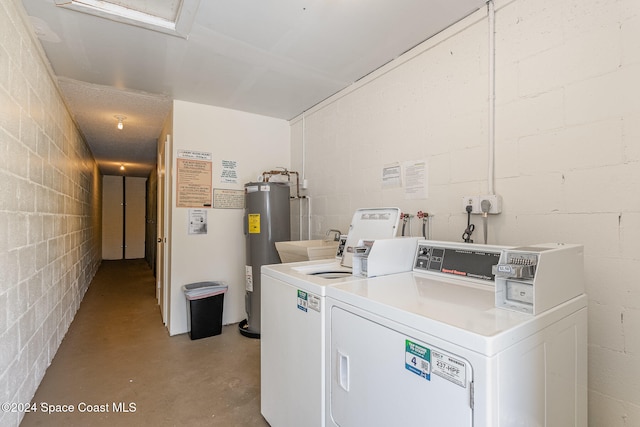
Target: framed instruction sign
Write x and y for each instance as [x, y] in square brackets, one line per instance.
[194, 178]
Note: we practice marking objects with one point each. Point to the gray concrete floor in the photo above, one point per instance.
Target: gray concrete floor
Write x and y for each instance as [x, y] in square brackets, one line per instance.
[118, 355]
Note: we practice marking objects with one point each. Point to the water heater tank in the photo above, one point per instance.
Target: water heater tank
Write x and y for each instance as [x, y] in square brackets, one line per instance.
[267, 220]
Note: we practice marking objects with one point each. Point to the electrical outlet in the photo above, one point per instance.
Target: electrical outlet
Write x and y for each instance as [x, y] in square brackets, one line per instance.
[496, 203]
[474, 201]
[476, 204]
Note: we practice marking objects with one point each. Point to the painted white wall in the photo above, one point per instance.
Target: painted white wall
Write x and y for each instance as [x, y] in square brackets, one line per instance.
[258, 144]
[567, 154]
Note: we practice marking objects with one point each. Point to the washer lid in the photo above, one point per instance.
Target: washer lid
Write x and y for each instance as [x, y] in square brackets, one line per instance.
[310, 276]
[370, 223]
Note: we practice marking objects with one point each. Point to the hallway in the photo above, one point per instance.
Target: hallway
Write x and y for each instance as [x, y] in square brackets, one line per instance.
[118, 355]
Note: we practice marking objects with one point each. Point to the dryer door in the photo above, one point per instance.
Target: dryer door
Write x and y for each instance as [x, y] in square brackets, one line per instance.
[381, 377]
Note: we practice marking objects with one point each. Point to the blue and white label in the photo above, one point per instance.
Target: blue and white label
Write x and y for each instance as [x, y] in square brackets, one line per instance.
[303, 301]
[417, 359]
[308, 301]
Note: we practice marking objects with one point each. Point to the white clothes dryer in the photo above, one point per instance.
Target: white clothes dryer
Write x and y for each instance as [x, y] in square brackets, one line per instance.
[430, 347]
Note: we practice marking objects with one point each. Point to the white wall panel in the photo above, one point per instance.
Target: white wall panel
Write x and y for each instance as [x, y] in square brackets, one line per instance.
[258, 144]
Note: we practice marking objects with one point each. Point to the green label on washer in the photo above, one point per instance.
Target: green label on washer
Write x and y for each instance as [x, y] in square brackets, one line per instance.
[417, 359]
[303, 302]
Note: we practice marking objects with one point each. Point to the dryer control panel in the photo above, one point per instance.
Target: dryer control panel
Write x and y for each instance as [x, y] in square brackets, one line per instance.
[461, 260]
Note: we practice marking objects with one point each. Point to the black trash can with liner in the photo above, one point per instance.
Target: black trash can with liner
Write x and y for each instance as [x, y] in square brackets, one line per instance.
[205, 301]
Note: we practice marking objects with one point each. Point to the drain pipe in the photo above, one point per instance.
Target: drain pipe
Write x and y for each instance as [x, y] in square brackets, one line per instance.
[304, 184]
[492, 95]
[304, 152]
[308, 217]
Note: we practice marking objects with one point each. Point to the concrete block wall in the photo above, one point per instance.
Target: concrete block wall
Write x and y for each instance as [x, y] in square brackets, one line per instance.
[50, 207]
[567, 154]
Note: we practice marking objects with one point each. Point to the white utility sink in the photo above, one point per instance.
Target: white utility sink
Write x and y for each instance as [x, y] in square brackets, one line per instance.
[306, 250]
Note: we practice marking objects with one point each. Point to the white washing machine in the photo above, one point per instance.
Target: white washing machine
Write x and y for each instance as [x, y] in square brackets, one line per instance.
[292, 348]
[439, 346]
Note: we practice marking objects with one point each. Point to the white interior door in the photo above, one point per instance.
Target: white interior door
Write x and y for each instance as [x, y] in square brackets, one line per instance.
[164, 204]
[123, 217]
[112, 217]
[160, 228]
[134, 217]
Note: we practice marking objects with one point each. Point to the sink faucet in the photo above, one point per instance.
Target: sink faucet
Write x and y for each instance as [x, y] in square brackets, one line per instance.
[336, 234]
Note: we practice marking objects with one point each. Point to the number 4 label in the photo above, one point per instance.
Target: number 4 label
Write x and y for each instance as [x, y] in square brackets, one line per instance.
[417, 359]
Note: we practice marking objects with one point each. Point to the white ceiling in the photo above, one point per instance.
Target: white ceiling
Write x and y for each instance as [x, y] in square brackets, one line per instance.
[272, 57]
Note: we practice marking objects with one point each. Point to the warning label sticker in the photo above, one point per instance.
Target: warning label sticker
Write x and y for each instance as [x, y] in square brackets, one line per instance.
[248, 274]
[254, 223]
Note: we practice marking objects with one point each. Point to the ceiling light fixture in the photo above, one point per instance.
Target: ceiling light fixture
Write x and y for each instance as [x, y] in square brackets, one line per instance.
[120, 119]
[121, 167]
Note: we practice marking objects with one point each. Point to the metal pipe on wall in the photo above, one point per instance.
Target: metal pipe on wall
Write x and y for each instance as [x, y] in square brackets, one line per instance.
[492, 96]
[308, 217]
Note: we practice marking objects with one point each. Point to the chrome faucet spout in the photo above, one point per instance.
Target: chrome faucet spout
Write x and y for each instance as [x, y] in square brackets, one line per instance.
[336, 234]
